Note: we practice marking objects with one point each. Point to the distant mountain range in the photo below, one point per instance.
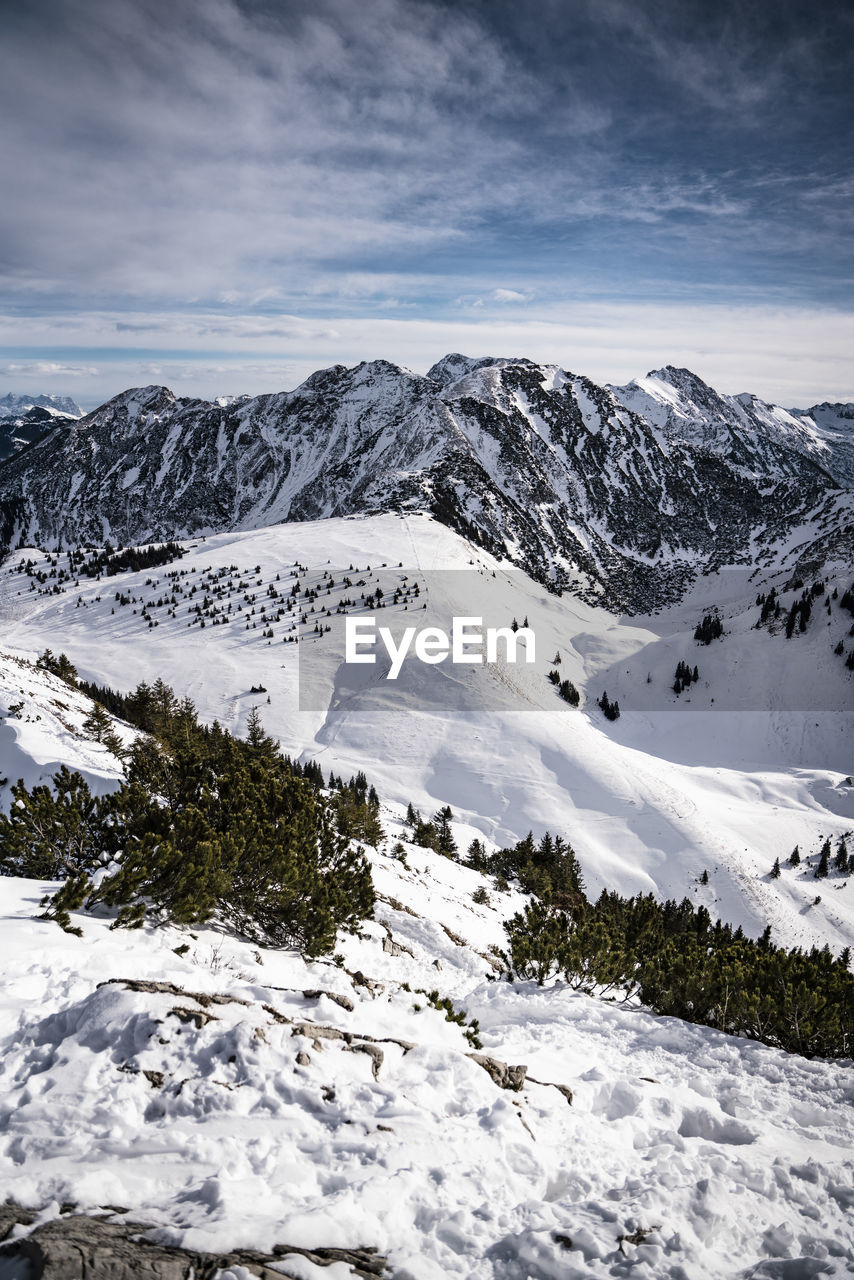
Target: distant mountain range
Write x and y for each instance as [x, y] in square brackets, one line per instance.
[26, 419]
[622, 494]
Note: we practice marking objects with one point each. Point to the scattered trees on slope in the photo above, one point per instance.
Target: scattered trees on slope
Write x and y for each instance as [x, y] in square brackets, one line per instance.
[709, 629]
[610, 710]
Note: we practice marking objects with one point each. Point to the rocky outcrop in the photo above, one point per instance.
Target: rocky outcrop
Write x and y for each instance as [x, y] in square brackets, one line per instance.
[77, 1246]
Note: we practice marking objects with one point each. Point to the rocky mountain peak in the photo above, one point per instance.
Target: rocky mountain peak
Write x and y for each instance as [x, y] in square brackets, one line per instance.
[621, 494]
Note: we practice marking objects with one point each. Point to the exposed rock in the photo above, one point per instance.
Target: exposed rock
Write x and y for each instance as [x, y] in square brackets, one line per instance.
[360, 980]
[455, 937]
[505, 1076]
[155, 1078]
[491, 960]
[344, 1001]
[313, 1030]
[197, 1016]
[396, 905]
[549, 1084]
[275, 1014]
[636, 1237]
[204, 998]
[375, 1053]
[78, 1247]
[395, 948]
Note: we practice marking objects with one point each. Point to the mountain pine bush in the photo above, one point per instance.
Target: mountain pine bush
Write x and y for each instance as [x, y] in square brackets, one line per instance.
[203, 825]
[682, 964]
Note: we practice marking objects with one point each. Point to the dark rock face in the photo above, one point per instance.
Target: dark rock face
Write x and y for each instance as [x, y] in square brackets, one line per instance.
[77, 1247]
[587, 492]
[27, 419]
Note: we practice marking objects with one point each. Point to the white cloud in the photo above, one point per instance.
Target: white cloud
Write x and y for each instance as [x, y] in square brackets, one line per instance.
[509, 295]
[795, 357]
[46, 369]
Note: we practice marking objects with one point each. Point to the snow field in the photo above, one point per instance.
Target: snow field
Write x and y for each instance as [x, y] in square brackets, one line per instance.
[255, 1126]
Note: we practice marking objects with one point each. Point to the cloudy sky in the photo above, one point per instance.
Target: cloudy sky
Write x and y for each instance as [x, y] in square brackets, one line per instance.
[223, 195]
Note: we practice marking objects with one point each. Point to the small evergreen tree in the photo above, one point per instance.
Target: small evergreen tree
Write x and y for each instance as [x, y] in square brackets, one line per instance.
[98, 724]
[425, 835]
[538, 941]
[50, 834]
[610, 710]
[823, 866]
[477, 857]
[445, 843]
[569, 693]
[841, 859]
[61, 666]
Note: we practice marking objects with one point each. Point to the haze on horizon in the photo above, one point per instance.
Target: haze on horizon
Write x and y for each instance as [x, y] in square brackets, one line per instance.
[226, 195]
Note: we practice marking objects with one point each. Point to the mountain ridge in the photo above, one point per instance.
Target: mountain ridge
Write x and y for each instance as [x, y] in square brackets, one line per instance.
[27, 419]
[621, 495]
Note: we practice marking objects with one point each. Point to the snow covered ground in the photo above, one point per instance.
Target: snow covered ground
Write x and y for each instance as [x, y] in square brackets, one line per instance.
[242, 1121]
[747, 763]
[247, 1121]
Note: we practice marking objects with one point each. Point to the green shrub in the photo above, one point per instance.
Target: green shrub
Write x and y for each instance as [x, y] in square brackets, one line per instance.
[202, 825]
[50, 834]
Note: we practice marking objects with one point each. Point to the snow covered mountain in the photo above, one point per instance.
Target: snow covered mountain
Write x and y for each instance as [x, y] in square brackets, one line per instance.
[27, 419]
[577, 487]
[11, 404]
[744, 429]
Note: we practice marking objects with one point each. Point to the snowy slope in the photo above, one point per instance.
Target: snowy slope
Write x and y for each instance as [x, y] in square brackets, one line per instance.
[328, 1103]
[41, 728]
[254, 1100]
[750, 761]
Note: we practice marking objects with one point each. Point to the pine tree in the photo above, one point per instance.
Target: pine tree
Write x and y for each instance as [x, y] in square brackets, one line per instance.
[775, 870]
[841, 859]
[569, 693]
[445, 843]
[795, 857]
[425, 835]
[823, 861]
[258, 740]
[477, 857]
[538, 940]
[610, 710]
[98, 724]
[61, 666]
[50, 834]
[71, 897]
[203, 825]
